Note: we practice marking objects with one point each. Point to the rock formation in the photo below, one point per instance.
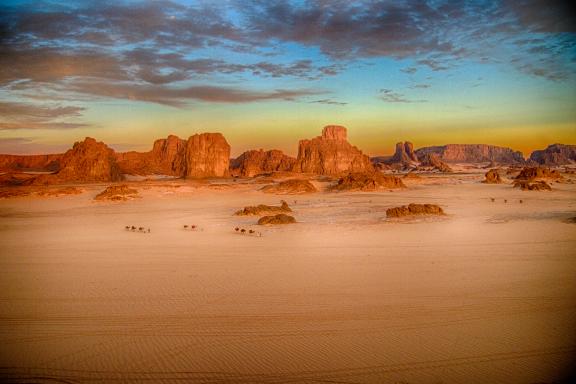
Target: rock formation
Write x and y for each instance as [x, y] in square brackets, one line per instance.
[280, 218]
[473, 153]
[538, 185]
[414, 209]
[290, 187]
[36, 163]
[256, 162]
[165, 158]
[432, 161]
[87, 161]
[404, 155]
[539, 173]
[262, 209]
[367, 182]
[555, 154]
[492, 177]
[330, 154]
[117, 193]
[207, 155]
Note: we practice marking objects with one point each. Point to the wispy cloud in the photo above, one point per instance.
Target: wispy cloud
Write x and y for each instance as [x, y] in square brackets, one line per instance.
[391, 96]
[35, 116]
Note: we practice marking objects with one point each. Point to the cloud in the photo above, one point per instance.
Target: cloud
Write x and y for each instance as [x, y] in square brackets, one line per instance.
[390, 96]
[178, 97]
[328, 101]
[421, 86]
[16, 116]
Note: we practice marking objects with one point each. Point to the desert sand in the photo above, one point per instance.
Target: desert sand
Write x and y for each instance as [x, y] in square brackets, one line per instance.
[484, 294]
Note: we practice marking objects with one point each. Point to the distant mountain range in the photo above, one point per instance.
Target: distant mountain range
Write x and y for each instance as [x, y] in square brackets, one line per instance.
[208, 155]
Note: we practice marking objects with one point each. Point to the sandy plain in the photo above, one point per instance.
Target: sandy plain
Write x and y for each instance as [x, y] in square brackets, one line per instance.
[486, 294]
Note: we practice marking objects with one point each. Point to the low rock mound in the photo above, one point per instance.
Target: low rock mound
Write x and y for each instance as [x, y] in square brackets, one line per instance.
[367, 182]
[117, 193]
[280, 218]
[56, 192]
[539, 185]
[539, 173]
[291, 187]
[259, 210]
[433, 161]
[414, 210]
[492, 177]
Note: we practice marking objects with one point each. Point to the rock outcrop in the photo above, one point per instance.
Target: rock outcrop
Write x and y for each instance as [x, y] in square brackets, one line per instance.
[290, 187]
[431, 161]
[538, 185]
[256, 162]
[492, 177]
[404, 155]
[473, 153]
[330, 154]
[30, 163]
[539, 173]
[117, 193]
[554, 155]
[262, 209]
[207, 155]
[276, 219]
[414, 210]
[367, 182]
[88, 161]
[166, 158]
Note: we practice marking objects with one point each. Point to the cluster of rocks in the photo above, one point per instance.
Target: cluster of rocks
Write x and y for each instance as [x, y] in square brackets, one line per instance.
[492, 177]
[414, 210]
[536, 179]
[367, 182]
[280, 218]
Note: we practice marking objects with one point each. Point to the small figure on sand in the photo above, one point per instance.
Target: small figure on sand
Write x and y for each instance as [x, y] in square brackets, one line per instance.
[521, 201]
[492, 199]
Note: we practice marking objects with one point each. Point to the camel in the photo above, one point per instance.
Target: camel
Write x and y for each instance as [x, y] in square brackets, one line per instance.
[493, 199]
[148, 230]
[251, 231]
[521, 201]
[243, 231]
[192, 227]
[141, 229]
[133, 228]
[505, 200]
[236, 229]
[186, 227]
[127, 227]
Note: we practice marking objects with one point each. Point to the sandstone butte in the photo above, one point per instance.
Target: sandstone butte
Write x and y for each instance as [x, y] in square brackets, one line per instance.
[330, 154]
[473, 153]
[117, 193]
[255, 162]
[492, 177]
[404, 154]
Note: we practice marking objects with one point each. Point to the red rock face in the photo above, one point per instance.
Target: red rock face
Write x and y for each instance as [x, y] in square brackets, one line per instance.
[87, 161]
[255, 162]
[165, 158]
[334, 132]
[207, 155]
[432, 160]
[330, 154]
[555, 154]
[404, 154]
[473, 153]
[18, 163]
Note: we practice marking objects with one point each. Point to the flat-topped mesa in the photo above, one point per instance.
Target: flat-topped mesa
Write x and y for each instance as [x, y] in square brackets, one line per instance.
[207, 155]
[87, 161]
[334, 132]
[555, 154]
[473, 153]
[330, 154]
[255, 162]
[22, 163]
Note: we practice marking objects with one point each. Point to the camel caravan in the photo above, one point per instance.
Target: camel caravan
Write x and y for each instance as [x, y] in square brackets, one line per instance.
[249, 232]
[132, 228]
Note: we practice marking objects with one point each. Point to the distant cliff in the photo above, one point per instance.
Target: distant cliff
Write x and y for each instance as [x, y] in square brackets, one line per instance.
[555, 154]
[472, 153]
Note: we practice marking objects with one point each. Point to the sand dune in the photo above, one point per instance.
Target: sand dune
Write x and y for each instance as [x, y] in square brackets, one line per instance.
[483, 295]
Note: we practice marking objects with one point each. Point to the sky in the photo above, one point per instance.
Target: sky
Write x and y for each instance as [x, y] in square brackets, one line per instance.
[268, 73]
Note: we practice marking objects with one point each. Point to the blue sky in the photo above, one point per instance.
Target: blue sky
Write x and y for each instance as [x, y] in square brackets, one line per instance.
[268, 73]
